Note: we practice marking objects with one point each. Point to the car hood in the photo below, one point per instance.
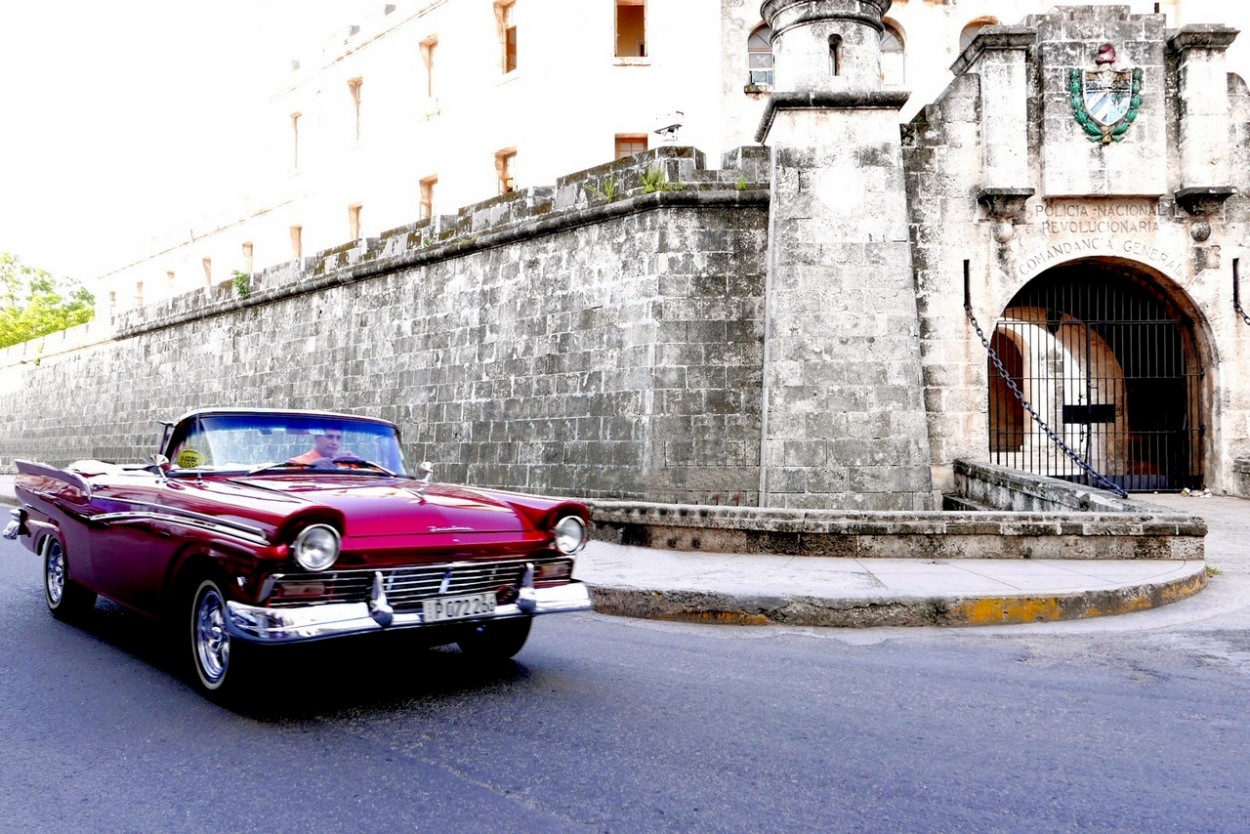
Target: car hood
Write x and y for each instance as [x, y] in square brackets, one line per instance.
[373, 508]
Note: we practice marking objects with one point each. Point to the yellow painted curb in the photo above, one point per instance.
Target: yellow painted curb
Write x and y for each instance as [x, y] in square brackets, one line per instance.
[710, 607]
[1015, 610]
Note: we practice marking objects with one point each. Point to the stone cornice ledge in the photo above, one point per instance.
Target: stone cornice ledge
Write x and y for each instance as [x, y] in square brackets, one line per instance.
[1203, 36]
[994, 39]
[1202, 200]
[829, 100]
[1004, 203]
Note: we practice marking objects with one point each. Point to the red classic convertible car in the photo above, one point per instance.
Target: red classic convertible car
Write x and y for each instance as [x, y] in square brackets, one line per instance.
[254, 527]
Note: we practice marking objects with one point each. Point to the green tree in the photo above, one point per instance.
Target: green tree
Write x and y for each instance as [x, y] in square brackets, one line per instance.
[32, 304]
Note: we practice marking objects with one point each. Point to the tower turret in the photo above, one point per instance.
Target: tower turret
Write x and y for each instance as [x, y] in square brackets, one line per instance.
[844, 419]
[826, 45]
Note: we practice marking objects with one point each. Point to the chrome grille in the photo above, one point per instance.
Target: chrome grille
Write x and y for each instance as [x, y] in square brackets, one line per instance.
[405, 587]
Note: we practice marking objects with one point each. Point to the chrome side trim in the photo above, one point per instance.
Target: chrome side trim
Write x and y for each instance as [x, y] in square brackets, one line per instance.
[186, 518]
[318, 622]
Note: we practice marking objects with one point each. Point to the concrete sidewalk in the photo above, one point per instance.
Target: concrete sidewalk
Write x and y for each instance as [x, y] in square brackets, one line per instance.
[822, 591]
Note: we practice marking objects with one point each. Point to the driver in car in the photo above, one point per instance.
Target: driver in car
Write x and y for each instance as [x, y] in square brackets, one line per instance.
[326, 443]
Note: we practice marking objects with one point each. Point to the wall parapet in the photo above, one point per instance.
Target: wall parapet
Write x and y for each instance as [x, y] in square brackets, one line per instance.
[1034, 518]
[79, 337]
[992, 487]
[887, 534]
[660, 178]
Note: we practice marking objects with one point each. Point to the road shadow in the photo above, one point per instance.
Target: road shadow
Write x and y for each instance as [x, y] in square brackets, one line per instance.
[320, 679]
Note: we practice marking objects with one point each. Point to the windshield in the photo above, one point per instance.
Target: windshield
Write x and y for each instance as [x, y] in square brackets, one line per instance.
[249, 442]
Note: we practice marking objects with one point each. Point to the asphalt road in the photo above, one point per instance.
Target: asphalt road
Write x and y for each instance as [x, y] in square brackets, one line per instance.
[1128, 724]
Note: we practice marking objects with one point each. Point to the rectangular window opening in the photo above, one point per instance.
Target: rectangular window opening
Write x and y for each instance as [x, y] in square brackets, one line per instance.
[353, 222]
[631, 38]
[428, 48]
[295, 139]
[427, 197]
[507, 34]
[628, 144]
[505, 167]
[353, 87]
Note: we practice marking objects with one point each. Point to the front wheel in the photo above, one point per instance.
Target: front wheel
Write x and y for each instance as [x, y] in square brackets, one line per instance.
[220, 662]
[67, 600]
[497, 640]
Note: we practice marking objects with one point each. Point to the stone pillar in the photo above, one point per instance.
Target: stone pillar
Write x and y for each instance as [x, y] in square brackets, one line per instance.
[844, 418]
[1202, 92]
[999, 58]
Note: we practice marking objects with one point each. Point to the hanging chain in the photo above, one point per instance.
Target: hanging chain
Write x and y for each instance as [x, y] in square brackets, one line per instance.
[1098, 477]
[1237, 291]
[1241, 312]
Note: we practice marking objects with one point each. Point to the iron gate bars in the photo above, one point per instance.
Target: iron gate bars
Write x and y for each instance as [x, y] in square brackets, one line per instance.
[1104, 364]
[1005, 375]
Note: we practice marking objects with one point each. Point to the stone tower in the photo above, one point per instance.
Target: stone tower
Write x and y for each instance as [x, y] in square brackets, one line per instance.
[844, 413]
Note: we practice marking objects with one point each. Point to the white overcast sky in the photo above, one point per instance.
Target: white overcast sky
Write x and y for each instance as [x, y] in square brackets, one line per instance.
[111, 112]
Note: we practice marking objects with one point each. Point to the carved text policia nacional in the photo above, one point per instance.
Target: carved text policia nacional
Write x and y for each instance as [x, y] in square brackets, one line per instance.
[1098, 218]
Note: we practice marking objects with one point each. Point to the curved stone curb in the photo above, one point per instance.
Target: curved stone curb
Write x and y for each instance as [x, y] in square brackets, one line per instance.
[706, 607]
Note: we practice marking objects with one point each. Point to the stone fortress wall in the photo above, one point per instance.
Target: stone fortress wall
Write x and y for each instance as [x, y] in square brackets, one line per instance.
[599, 338]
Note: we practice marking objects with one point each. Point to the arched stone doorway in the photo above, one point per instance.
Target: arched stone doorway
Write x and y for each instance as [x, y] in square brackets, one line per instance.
[1106, 354]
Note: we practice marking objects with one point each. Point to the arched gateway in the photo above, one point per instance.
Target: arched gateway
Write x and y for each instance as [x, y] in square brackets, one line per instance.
[1105, 352]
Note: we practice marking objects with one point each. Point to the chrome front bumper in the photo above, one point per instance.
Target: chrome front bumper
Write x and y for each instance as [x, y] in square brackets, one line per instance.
[317, 622]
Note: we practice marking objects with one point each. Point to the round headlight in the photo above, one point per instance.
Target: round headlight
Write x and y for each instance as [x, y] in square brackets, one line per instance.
[570, 534]
[317, 546]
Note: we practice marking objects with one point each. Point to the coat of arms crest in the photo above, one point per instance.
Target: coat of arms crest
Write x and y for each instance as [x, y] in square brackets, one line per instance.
[1105, 100]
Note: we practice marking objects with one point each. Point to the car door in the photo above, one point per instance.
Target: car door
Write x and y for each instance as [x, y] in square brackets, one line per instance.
[121, 524]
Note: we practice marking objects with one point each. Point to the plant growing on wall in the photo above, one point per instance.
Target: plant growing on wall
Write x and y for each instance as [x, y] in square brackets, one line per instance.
[242, 284]
[608, 193]
[654, 179]
[34, 303]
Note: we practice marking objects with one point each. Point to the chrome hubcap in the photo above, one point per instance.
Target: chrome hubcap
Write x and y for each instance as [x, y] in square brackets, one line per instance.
[55, 573]
[212, 643]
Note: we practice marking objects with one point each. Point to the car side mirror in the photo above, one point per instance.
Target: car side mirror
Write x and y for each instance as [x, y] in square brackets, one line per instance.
[159, 464]
[425, 473]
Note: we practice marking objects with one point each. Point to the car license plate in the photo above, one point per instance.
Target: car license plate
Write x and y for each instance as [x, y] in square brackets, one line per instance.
[457, 608]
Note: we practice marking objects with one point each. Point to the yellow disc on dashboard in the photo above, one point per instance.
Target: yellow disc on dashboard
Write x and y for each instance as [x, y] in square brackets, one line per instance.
[189, 459]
